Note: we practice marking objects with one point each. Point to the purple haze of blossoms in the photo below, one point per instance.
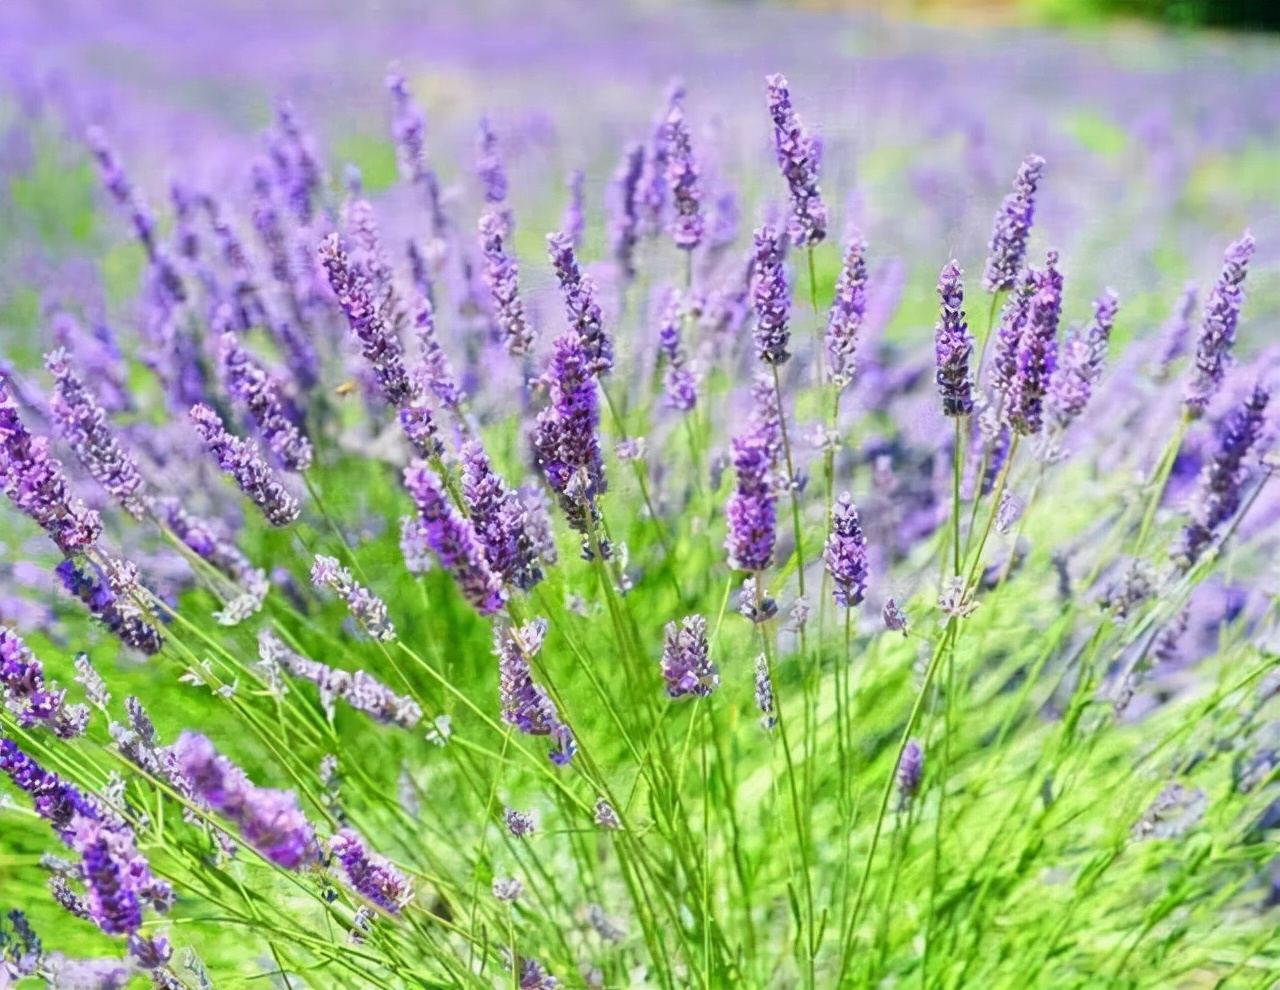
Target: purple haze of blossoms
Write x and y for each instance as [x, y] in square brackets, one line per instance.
[83, 424]
[1036, 354]
[28, 697]
[574, 220]
[1008, 245]
[432, 371]
[770, 298]
[846, 554]
[686, 222]
[269, 820]
[624, 217]
[652, 194]
[122, 190]
[109, 596]
[1219, 488]
[799, 157]
[408, 128]
[953, 346]
[454, 541]
[751, 511]
[499, 516]
[686, 667]
[1080, 364]
[910, 770]
[489, 165]
[34, 482]
[243, 461]
[566, 441]
[1218, 328]
[366, 608]
[525, 704]
[848, 310]
[502, 276]
[581, 306]
[248, 381]
[370, 875]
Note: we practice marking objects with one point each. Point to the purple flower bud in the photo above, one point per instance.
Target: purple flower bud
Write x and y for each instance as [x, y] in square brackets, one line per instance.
[847, 312]
[519, 823]
[682, 180]
[910, 770]
[1036, 355]
[751, 511]
[846, 554]
[56, 801]
[1008, 245]
[799, 157]
[432, 372]
[581, 307]
[895, 619]
[1080, 364]
[370, 875]
[489, 165]
[574, 221]
[653, 190]
[685, 664]
[454, 541]
[269, 820]
[499, 516]
[764, 694]
[624, 220]
[122, 191]
[1218, 328]
[34, 482]
[526, 704]
[28, 697]
[501, 275]
[366, 608]
[953, 347]
[1177, 329]
[770, 298]
[249, 382]
[1219, 488]
[243, 461]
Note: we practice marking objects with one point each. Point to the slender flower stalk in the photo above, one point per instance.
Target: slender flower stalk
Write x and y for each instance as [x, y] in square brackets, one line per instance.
[953, 346]
[525, 704]
[799, 157]
[1218, 328]
[1008, 245]
[242, 459]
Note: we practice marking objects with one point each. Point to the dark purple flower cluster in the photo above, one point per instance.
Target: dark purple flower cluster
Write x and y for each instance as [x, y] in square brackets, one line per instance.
[687, 222]
[799, 156]
[953, 346]
[56, 801]
[1008, 245]
[110, 592]
[581, 307]
[502, 277]
[1218, 328]
[526, 704]
[751, 511]
[370, 875]
[243, 461]
[846, 554]
[83, 423]
[848, 309]
[1219, 489]
[454, 540]
[686, 667]
[269, 820]
[249, 382]
[29, 697]
[770, 297]
[1036, 353]
[34, 482]
[500, 517]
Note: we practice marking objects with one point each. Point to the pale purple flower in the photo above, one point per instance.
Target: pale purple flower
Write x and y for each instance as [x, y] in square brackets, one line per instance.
[799, 157]
[243, 461]
[519, 823]
[848, 310]
[247, 381]
[502, 277]
[764, 694]
[574, 221]
[581, 307]
[770, 298]
[370, 875]
[1080, 364]
[489, 165]
[110, 593]
[1218, 328]
[1036, 354]
[606, 817]
[366, 608]
[526, 704]
[686, 666]
[414, 546]
[953, 346]
[56, 801]
[1008, 245]
[910, 770]
[31, 699]
[499, 516]
[408, 128]
[751, 511]
[432, 372]
[624, 220]
[682, 180]
[846, 554]
[895, 619]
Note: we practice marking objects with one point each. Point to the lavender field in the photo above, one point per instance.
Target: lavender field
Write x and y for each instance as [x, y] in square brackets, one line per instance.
[624, 495]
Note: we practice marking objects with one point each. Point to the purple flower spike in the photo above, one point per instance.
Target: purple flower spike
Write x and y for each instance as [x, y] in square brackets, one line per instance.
[502, 276]
[847, 312]
[489, 165]
[34, 482]
[248, 381]
[1218, 328]
[366, 608]
[1080, 364]
[1219, 489]
[243, 461]
[764, 695]
[83, 423]
[269, 820]
[624, 218]
[56, 801]
[432, 372]
[581, 307]
[122, 191]
[526, 704]
[454, 541]
[770, 298]
[27, 696]
[110, 594]
[751, 511]
[685, 665]
[682, 179]
[799, 157]
[409, 128]
[500, 519]
[953, 347]
[1008, 245]
[566, 439]
[1036, 354]
[846, 554]
[109, 857]
[574, 221]
[370, 875]
[910, 770]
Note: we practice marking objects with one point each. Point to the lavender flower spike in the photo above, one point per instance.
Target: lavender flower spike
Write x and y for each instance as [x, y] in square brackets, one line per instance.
[501, 275]
[1008, 245]
[770, 298]
[489, 165]
[573, 222]
[500, 519]
[56, 801]
[910, 770]
[269, 820]
[1218, 328]
[846, 554]
[581, 307]
[110, 593]
[454, 541]
[751, 511]
[370, 875]
[847, 312]
[1221, 480]
[34, 482]
[687, 222]
[685, 665]
[249, 382]
[624, 218]
[366, 608]
[83, 424]
[953, 347]
[1037, 353]
[799, 157]
[764, 694]
[28, 697]
[243, 461]
[1080, 364]
[525, 704]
